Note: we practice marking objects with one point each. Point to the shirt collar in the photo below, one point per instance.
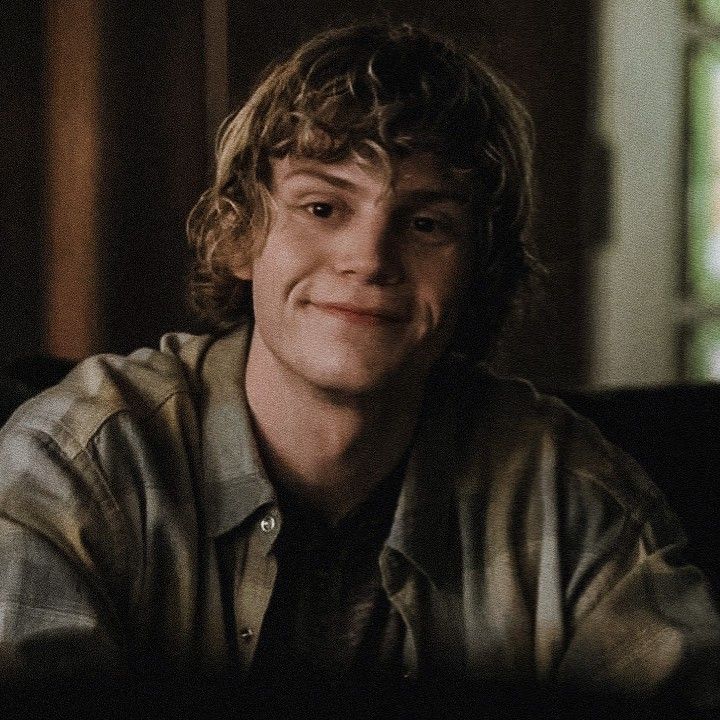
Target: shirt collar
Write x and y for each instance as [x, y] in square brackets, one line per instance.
[235, 479]
[238, 485]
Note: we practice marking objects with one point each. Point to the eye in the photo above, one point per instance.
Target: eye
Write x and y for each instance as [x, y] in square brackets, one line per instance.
[424, 224]
[320, 209]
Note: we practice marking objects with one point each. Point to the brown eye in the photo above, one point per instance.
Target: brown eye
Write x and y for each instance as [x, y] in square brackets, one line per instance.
[424, 224]
[321, 210]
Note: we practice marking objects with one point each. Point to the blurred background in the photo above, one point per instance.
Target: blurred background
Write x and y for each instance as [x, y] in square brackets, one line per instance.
[109, 110]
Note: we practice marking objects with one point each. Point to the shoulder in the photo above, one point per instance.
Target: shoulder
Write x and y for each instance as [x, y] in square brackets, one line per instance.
[77, 460]
[85, 446]
[535, 480]
[102, 387]
[517, 434]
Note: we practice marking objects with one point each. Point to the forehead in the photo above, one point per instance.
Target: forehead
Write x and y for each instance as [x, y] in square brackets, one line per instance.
[416, 174]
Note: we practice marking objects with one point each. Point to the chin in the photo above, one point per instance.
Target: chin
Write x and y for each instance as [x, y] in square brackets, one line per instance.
[355, 382]
[348, 376]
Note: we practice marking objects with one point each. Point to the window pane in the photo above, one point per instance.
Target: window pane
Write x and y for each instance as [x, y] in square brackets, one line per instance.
[703, 354]
[704, 175]
[708, 10]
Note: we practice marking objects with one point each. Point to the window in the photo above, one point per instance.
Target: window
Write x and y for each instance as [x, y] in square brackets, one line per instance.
[701, 332]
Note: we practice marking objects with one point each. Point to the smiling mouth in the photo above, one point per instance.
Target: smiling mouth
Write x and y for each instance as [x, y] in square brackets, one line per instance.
[360, 315]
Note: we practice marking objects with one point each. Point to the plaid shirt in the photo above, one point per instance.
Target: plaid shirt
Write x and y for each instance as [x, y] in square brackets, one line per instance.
[523, 546]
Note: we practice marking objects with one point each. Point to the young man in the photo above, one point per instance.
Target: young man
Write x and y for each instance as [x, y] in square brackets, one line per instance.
[329, 506]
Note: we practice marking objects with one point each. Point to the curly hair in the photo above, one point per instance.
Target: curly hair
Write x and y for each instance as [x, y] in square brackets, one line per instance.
[383, 92]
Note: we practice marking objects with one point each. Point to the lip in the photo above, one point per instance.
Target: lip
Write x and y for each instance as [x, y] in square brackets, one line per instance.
[360, 314]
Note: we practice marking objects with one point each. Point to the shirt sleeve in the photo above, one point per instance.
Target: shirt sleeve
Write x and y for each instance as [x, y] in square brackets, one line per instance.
[62, 570]
[645, 622]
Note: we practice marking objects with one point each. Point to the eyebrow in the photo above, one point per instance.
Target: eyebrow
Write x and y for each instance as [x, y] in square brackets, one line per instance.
[421, 196]
[438, 196]
[329, 178]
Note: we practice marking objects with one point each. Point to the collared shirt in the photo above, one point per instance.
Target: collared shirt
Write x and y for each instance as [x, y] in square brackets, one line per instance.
[523, 545]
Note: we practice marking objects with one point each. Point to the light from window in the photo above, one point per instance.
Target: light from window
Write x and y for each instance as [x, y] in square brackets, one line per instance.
[702, 258]
[703, 263]
[708, 11]
[704, 352]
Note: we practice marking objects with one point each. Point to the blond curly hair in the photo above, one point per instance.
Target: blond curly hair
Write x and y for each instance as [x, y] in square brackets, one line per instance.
[382, 91]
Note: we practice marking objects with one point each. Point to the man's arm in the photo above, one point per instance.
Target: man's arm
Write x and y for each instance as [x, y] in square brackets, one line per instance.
[62, 575]
[646, 623]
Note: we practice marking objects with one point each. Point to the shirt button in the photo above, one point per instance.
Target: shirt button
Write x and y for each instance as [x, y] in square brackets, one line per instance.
[268, 523]
[246, 634]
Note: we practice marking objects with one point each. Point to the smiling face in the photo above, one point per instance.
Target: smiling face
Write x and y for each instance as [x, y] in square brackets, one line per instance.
[359, 280]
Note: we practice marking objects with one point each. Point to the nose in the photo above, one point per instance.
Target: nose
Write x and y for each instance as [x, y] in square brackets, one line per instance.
[369, 250]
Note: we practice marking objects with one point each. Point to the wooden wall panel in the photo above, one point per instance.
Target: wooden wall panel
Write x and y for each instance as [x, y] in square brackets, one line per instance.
[72, 36]
[22, 178]
[154, 156]
[105, 150]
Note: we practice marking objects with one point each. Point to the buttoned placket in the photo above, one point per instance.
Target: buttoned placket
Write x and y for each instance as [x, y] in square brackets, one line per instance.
[254, 583]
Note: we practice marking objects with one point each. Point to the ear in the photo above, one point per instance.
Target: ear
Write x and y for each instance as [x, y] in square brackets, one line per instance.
[242, 268]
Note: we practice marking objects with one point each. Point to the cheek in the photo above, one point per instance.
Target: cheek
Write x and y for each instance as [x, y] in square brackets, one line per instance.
[442, 284]
[286, 259]
[287, 250]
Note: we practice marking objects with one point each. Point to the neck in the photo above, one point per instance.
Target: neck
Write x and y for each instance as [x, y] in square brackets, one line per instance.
[326, 449]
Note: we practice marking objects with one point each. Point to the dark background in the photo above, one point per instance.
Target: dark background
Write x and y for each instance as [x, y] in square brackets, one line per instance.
[151, 121]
